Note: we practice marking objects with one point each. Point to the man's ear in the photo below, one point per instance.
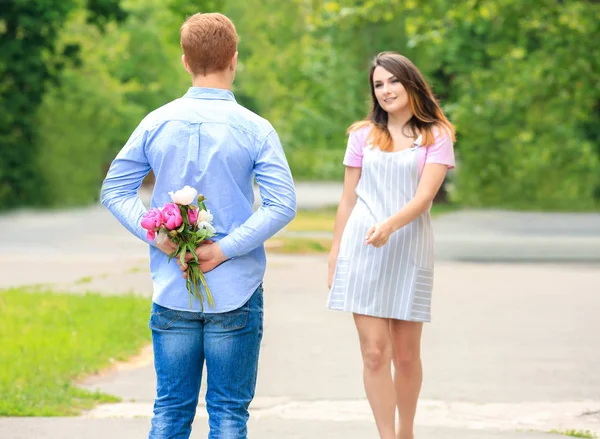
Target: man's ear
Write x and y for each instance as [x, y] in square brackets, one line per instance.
[234, 61]
[185, 64]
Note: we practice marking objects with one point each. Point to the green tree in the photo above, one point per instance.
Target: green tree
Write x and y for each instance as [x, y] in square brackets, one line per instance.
[305, 64]
[86, 118]
[29, 62]
[523, 78]
[124, 72]
[518, 78]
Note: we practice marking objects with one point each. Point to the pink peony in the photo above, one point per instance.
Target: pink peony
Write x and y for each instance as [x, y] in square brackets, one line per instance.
[192, 216]
[152, 219]
[151, 235]
[171, 216]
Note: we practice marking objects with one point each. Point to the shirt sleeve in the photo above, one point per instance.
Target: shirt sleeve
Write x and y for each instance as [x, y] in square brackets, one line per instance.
[354, 150]
[278, 195]
[442, 150]
[120, 187]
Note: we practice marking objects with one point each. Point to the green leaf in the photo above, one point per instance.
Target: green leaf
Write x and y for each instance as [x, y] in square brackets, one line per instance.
[182, 255]
[192, 250]
[201, 235]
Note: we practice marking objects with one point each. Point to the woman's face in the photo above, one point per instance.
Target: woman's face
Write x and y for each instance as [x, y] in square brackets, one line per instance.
[389, 91]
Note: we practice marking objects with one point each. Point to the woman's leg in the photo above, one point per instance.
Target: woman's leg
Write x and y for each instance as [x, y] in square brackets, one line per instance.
[374, 335]
[408, 373]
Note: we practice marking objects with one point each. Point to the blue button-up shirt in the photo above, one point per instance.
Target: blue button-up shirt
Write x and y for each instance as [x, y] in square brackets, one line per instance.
[208, 141]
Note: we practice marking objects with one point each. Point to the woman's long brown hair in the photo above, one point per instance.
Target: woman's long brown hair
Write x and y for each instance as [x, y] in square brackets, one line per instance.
[427, 113]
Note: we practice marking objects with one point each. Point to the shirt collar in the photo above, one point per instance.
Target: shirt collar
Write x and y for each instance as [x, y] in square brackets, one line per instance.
[209, 93]
[419, 140]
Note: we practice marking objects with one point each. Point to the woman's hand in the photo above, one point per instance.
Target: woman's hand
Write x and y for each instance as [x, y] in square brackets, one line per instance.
[379, 234]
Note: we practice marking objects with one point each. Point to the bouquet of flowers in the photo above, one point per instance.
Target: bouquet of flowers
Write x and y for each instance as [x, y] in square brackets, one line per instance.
[187, 226]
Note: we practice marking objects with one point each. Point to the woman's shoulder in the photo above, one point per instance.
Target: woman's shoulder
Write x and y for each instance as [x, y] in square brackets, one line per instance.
[359, 131]
[442, 133]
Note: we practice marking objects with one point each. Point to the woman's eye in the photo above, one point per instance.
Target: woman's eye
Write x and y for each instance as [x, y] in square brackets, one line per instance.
[377, 85]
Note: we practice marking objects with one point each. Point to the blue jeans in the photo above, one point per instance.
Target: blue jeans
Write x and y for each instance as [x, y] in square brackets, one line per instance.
[229, 343]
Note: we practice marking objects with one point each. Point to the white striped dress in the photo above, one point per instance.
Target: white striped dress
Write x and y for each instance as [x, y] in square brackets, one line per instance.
[396, 280]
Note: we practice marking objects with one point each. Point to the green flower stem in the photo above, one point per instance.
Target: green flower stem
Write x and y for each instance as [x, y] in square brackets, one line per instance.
[188, 286]
[195, 281]
[209, 298]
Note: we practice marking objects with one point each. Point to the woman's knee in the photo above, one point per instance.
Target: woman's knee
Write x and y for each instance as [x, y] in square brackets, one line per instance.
[406, 345]
[376, 355]
[406, 359]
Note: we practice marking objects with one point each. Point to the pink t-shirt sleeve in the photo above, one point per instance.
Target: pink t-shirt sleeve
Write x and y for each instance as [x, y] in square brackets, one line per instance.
[357, 140]
[442, 150]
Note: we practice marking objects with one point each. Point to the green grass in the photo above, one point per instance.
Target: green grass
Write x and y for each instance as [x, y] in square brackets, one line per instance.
[322, 220]
[298, 245]
[575, 433]
[48, 340]
[134, 270]
[84, 280]
[441, 209]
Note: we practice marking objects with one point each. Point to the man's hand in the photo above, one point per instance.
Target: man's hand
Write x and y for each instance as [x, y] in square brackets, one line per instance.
[165, 244]
[209, 255]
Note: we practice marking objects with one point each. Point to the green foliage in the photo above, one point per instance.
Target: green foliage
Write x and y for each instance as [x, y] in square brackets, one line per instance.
[519, 82]
[125, 72]
[50, 339]
[85, 119]
[309, 78]
[149, 60]
[29, 63]
[26, 28]
[518, 79]
[524, 86]
[185, 8]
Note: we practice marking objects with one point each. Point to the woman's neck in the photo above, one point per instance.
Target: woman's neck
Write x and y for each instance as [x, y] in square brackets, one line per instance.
[398, 119]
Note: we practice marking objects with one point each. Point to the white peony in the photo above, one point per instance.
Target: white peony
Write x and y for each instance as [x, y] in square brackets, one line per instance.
[204, 216]
[208, 226]
[185, 196]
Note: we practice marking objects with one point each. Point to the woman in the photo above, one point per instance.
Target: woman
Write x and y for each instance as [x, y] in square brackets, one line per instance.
[381, 261]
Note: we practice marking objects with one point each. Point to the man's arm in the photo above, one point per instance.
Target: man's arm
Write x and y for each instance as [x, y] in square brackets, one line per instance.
[120, 188]
[278, 195]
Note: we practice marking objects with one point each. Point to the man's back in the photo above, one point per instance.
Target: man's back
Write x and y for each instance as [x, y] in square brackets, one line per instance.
[206, 141]
[209, 142]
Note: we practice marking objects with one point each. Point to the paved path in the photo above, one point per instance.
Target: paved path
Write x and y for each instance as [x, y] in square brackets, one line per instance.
[494, 235]
[512, 351]
[465, 235]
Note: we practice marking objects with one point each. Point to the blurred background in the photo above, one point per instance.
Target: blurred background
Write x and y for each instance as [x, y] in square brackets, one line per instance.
[519, 78]
[512, 352]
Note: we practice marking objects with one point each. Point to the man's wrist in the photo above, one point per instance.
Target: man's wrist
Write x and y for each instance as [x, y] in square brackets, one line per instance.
[220, 255]
[227, 248]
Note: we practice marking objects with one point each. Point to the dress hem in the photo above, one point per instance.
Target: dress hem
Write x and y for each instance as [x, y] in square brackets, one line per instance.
[380, 315]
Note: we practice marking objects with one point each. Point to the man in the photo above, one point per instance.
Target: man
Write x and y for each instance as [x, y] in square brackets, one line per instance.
[209, 142]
